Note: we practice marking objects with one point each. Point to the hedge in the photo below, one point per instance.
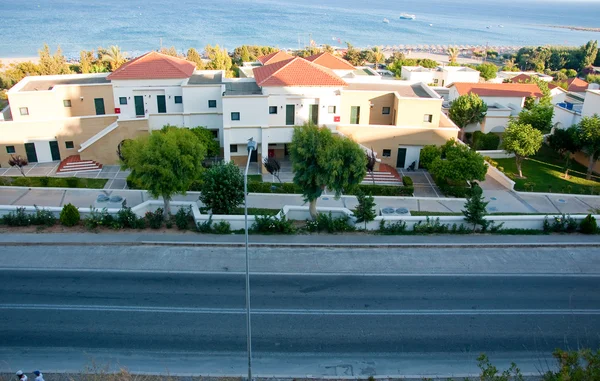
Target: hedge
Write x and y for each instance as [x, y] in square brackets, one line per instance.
[55, 182]
[485, 142]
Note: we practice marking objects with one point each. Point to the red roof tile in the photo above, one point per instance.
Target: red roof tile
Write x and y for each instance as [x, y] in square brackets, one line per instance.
[274, 57]
[154, 65]
[577, 85]
[498, 89]
[296, 72]
[330, 61]
[521, 78]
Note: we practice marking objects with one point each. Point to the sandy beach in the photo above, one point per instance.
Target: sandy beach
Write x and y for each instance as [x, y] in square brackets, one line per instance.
[8, 61]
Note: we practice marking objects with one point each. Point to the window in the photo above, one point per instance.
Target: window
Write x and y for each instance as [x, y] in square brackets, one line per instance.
[212, 104]
[331, 109]
[69, 145]
[122, 100]
[24, 111]
[435, 81]
[386, 111]
[67, 102]
[178, 99]
[233, 148]
[272, 109]
[235, 116]
[10, 149]
[215, 133]
[387, 153]
[428, 118]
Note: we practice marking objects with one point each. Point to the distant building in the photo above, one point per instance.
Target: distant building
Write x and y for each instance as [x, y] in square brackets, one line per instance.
[440, 76]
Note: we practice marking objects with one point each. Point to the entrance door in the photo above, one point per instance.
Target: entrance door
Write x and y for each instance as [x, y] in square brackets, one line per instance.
[290, 115]
[313, 114]
[161, 103]
[54, 151]
[139, 105]
[254, 156]
[99, 103]
[401, 160]
[354, 115]
[31, 154]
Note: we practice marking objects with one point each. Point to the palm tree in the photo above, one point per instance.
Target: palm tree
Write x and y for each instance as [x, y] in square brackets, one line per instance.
[453, 54]
[114, 57]
[378, 56]
[509, 64]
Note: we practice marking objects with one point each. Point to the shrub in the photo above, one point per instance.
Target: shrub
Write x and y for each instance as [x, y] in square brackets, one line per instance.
[588, 225]
[43, 217]
[485, 142]
[260, 188]
[57, 182]
[392, 228]
[17, 218]
[326, 222]
[44, 181]
[128, 219]
[98, 218]
[183, 218]
[384, 190]
[69, 216]
[365, 210]
[155, 219]
[407, 181]
[222, 188]
[272, 224]
[22, 182]
[560, 224]
[222, 227]
[205, 227]
[428, 155]
[72, 182]
[430, 226]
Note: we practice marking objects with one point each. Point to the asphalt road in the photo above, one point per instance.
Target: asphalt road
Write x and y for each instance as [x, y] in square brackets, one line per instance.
[294, 314]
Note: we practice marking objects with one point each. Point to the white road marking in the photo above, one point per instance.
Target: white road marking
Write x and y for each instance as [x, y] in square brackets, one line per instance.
[341, 312]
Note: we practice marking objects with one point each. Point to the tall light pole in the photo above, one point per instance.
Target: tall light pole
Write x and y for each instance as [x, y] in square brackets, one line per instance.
[251, 146]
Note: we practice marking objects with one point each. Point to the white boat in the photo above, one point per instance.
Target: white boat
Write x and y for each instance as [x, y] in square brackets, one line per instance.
[386, 21]
[407, 16]
[500, 26]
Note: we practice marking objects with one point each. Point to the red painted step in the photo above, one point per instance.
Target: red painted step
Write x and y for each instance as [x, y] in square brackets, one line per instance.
[74, 164]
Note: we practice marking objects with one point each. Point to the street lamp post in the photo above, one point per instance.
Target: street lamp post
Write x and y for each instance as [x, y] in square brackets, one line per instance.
[251, 146]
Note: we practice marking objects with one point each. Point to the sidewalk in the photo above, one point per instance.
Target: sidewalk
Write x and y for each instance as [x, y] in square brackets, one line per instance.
[500, 200]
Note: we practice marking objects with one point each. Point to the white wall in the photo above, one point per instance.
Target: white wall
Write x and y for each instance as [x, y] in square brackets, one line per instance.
[412, 154]
[564, 118]
[417, 76]
[195, 98]
[253, 109]
[149, 89]
[591, 104]
[449, 75]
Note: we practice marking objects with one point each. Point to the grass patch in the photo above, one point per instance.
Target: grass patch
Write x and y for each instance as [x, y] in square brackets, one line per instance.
[255, 179]
[545, 172]
[55, 182]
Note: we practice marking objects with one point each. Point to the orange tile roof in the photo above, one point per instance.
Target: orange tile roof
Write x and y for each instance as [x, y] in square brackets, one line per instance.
[274, 57]
[498, 89]
[154, 65]
[577, 85]
[296, 72]
[521, 78]
[330, 61]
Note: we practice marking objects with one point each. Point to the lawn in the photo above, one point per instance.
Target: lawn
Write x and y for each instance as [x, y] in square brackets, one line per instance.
[255, 179]
[545, 172]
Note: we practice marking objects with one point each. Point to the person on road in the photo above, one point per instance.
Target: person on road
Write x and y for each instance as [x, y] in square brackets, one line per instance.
[21, 375]
[38, 375]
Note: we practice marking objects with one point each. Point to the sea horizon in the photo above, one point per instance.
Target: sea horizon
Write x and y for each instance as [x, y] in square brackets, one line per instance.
[141, 25]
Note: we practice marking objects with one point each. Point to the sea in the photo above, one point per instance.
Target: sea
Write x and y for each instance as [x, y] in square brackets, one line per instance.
[141, 25]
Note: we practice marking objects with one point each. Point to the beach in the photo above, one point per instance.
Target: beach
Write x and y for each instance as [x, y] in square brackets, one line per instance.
[10, 60]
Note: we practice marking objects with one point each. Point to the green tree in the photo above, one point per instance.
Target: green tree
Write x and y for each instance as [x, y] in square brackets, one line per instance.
[538, 116]
[114, 57]
[365, 210]
[453, 54]
[487, 70]
[222, 188]
[321, 160]
[50, 64]
[165, 162]
[219, 59]
[571, 73]
[458, 164]
[593, 78]
[522, 140]
[566, 143]
[378, 56]
[18, 71]
[207, 139]
[428, 63]
[329, 49]
[396, 66]
[395, 56]
[467, 109]
[589, 52]
[588, 138]
[193, 56]
[475, 208]
[428, 155]
[245, 54]
[172, 51]
[86, 59]
[353, 55]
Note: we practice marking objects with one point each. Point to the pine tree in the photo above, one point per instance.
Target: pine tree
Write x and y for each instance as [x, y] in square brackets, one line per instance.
[475, 208]
[365, 210]
[194, 56]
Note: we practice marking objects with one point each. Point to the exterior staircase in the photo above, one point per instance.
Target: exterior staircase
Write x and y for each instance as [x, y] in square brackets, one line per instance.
[385, 176]
[73, 164]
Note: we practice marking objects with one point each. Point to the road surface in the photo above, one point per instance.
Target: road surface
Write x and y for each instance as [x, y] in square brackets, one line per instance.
[325, 315]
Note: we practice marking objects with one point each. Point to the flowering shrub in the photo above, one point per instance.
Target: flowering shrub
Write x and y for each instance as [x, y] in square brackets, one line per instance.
[272, 224]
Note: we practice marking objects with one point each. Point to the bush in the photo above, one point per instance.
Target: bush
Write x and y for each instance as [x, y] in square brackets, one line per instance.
[17, 218]
[430, 226]
[98, 218]
[72, 182]
[460, 191]
[407, 181]
[43, 217]
[561, 224]
[205, 227]
[428, 155]
[326, 222]
[272, 224]
[392, 228]
[155, 219]
[57, 182]
[485, 142]
[69, 216]
[22, 182]
[222, 227]
[128, 219]
[384, 190]
[588, 225]
[44, 181]
[222, 188]
[183, 218]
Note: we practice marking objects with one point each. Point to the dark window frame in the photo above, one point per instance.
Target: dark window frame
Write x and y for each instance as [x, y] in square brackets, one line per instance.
[10, 149]
[231, 148]
[67, 103]
[26, 111]
[239, 116]
[212, 103]
[386, 153]
[271, 109]
[384, 109]
[331, 109]
[178, 98]
[122, 100]
[71, 145]
[428, 118]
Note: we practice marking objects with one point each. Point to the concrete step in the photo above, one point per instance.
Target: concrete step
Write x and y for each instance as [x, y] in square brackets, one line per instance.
[71, 170]
[80, 162]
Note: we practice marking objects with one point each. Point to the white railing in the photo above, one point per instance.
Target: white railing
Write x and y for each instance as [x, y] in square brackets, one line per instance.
[98, 136]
